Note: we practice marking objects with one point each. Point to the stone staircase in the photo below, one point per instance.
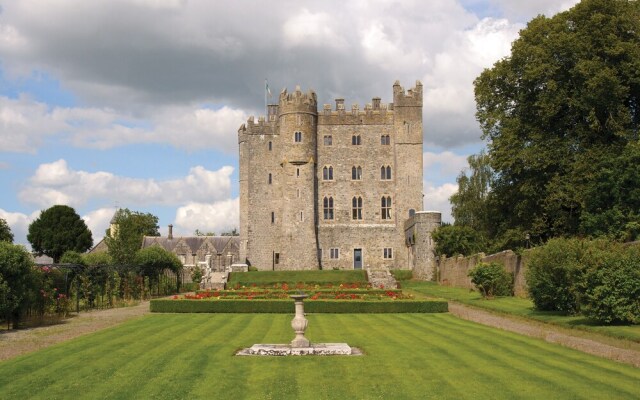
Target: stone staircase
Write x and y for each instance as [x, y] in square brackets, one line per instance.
[381, 277]
[215, 280]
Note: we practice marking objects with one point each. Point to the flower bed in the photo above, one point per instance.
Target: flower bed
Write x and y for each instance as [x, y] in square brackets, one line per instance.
[286, 306]
[283, 294]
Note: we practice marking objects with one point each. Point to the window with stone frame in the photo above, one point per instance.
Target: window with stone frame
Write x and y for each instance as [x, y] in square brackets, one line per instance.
[334, 253]
[385, 140]
[297, 137]
[387, 253]
[328, 140]
[327, 173]
[355, 140]
[356, 208]
[385, 207]
[385, 172]
[356, 173]
[327, 207]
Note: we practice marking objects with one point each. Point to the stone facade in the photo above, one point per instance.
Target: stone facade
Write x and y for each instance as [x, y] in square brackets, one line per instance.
[331, 188]
[417, 231]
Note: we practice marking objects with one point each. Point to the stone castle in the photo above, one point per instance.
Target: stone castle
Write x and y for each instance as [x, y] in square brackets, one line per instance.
[336, 188]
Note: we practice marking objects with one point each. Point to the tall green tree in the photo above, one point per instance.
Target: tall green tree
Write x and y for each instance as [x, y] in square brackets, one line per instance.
[5, 231]
[126, 238]
[57, 230]
[16, 281]
[562, 107]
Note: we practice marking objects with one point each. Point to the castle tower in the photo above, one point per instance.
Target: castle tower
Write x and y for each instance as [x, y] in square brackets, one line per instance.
[297, 122]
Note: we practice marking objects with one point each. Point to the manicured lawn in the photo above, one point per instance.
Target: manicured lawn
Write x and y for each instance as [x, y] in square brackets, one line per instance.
[292, 277]
[408, 356]
[521, 307]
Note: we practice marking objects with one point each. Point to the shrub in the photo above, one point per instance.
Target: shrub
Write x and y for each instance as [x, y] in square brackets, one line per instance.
[402, 274]
[555, 275]
[286, 306]
[613, 289]
[491, 279]
[18, 283]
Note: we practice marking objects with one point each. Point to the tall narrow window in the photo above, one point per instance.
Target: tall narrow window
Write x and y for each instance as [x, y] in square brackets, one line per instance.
[273, 217]
[385, 209]
[297, 172]
[297, 137]
[356, 173]
[356, 208]
[270, 180]
[328, 140]
[355, 140]
[327, 173]
[301, 216]
[327, 207]
[385, 140]
[385, 172]
[387, 253]
[276, 258]
[270, 146]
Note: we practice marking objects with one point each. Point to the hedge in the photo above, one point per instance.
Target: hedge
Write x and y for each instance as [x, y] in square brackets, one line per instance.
[264, 278]
[287, 306]
[402, 274]
[309, 292]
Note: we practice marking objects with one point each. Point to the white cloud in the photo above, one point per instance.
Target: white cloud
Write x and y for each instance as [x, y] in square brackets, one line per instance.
[436, 198]
[19, 224]
[443, 164]
[98, 221]
[311, 29]
[217, 217]
[25, 123]
[56, 183]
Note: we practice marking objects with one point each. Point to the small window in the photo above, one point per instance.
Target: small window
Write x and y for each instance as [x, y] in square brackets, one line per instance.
[328, 140]
[356, 173]
[387, 253]
[334, 254]
[270, 146]
[385, 140]
[355, 140]
[270, 179]
[385, 172]
[297, 137]
[301, 216]
[297, 172]
[327, 207]
[327, 173]
[412, 212]
[356, 208]
[273, 217]
[276, 258]
[385, 209]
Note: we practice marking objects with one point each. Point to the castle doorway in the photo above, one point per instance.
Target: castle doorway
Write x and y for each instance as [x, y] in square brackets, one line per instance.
[357, 258]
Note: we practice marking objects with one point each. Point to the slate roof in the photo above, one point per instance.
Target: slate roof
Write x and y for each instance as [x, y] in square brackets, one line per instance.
[220, 243]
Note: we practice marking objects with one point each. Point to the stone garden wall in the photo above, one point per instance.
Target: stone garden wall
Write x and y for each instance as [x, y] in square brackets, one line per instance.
[453, 271]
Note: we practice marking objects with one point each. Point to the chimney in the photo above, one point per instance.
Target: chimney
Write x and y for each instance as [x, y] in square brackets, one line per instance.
[170, 235]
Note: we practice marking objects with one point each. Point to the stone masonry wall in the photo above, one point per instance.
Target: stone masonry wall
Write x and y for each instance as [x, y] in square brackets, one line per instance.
[453, 271]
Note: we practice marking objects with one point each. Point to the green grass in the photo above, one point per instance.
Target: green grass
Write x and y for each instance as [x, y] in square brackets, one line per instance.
[408, 356]
[523, 308]
[261, 278]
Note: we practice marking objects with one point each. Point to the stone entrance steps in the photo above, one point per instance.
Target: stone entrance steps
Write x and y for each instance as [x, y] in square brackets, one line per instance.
[381, 278]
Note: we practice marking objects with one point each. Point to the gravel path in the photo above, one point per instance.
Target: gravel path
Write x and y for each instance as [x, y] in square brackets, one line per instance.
[16, 342]
[547, 333]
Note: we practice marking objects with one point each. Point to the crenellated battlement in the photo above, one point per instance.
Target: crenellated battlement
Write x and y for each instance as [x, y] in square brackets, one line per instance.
[262, 127]
[410, 98]
[297, 101]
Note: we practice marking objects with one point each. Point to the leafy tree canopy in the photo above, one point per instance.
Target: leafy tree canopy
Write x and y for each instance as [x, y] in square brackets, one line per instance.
[5, 232]
[153, 260]
[16, 280]
[57, 230]
[561, 116]
[126, 238]
[453, 240]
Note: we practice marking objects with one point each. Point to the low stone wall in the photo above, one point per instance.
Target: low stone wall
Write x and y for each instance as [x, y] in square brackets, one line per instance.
[453, 271]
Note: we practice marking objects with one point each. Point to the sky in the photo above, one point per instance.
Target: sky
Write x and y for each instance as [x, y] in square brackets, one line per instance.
[136, 103]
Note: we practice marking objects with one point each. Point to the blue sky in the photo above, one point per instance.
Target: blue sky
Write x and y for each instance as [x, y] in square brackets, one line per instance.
[136, 103]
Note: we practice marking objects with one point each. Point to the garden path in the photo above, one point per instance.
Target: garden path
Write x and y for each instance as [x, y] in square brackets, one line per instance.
[546, 332]
[17, 342]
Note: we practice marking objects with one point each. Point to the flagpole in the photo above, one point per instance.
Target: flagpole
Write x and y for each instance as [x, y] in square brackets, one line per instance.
[266, 111]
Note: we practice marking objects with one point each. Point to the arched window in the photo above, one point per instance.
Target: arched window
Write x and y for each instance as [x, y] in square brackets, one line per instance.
[327, 173]
[355, 140]
[385, 209]
[327, 206]
[385, 140]
[297, 137]
[356, 208]
[385, 172]
[356, 173]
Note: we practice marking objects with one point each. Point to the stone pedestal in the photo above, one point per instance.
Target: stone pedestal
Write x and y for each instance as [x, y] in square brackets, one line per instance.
[299, 322]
